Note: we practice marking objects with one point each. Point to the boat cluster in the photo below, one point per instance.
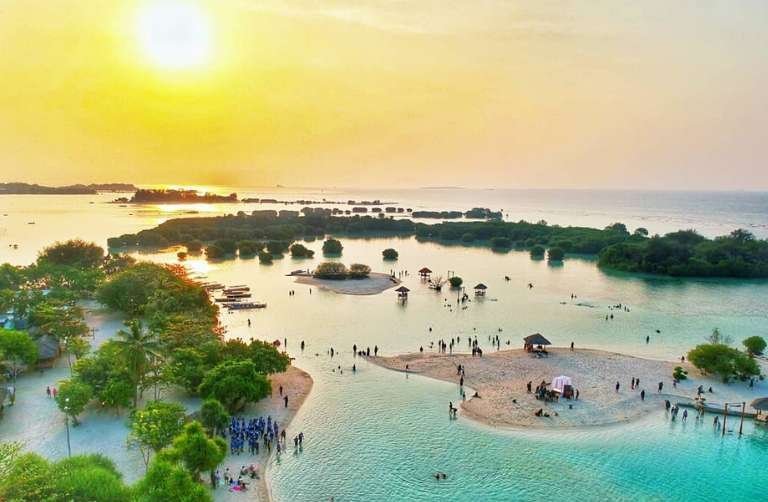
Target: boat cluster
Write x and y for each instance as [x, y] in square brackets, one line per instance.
[233, 297]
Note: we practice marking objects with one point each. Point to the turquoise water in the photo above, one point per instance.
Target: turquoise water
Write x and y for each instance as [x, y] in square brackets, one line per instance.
[376, 435]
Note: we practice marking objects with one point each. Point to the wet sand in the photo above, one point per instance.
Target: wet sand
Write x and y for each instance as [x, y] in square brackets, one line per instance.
[373, 285]
[500, 379]
[297, 384]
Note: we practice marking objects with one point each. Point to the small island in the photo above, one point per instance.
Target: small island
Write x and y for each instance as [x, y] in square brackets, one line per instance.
[501, 378]
[170, 196]
[355, 280]
[79, 189]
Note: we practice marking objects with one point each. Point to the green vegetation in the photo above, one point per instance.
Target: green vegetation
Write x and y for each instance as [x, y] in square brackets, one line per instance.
[214, 416]
[390, 254]
[755, 345]
[455, 281]
[235, 383]
[72, 398]
[679, 373]
[265, 257]
[195, 450]
[359, 271]
[555, 254]
[17, 351]
[332, 247]
[154, 427]
[300, 251]
[537, 251]
[724, 361]
[331, 270]
[166, 481]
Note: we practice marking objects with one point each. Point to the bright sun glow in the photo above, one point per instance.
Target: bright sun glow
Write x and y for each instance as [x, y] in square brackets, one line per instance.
[174, 34]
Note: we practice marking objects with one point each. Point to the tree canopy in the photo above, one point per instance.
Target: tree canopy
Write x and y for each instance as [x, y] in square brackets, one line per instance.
[724, 361]
[235, 383]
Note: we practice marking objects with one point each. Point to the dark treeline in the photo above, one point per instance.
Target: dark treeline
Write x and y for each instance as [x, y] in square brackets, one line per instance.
[160, 196]
[683, 253]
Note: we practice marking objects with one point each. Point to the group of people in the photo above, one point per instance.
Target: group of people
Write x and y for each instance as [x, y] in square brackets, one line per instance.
[359, 351]
[242, 432]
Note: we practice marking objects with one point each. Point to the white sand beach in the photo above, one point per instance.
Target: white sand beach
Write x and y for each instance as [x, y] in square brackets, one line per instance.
[374, 284]
[500, 379]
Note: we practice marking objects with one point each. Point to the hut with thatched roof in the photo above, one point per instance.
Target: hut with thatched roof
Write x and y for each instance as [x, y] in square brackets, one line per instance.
[425, 273]
[480, 289]
[535, 340]
[402, 292]
[48, 349]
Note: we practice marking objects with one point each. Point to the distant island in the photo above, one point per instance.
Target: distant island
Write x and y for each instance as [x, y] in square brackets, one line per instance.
[681, 254]
[79, 189]
[169, 196]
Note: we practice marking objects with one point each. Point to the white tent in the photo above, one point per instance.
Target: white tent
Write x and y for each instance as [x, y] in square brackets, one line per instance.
[559, 383]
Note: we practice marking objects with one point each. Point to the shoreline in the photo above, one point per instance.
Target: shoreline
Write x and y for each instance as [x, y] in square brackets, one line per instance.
[297, 384]
[375, 283]
[500, 380]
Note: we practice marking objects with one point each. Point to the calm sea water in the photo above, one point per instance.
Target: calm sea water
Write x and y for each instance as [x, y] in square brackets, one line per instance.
[376, 435]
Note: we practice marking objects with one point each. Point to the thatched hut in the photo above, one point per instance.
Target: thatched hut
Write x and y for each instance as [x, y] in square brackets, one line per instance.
[402, 292]
[480, 289]
[535, 340]
[425, 273]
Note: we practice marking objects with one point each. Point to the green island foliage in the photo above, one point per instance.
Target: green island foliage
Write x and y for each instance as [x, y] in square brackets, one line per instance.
[390, 254]
[331, 270]
[679, 373]
[755, 345]
[537, 251]
[301, 251]
[265, 257]
[194, 450]
[213, 416]
[359, 271]
[154, 427]
[555, 254]
[455, 281]
[234, 383]
[724, 361]
[332, 247]
[73, 397]
[682, 253]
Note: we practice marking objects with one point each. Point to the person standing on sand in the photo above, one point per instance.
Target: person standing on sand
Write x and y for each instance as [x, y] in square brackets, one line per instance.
[617, 386]
[642, 395]
[632, 384]
[648, 339]
[571, 346]
[661, 386]
[577, 394]
[285, 400]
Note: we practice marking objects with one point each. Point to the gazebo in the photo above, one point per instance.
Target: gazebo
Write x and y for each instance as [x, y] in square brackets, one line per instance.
[761, 405]
[480, 289]
[425, 272]
[535, 340]
[402, 293]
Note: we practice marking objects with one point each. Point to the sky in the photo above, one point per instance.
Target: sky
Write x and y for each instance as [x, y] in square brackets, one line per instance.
[388, 93]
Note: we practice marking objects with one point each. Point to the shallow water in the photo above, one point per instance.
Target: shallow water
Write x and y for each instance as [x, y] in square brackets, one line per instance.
[376, 435]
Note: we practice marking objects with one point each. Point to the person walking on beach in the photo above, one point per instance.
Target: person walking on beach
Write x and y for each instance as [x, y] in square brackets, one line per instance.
[648, 339]
[617, 386]
[642, 395]
[661, 386]
[48, 391]
[685, 415]
[632, 384]
[571, 346]
[285, 400]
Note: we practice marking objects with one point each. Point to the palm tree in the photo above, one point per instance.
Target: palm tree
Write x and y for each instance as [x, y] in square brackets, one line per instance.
[139, 347]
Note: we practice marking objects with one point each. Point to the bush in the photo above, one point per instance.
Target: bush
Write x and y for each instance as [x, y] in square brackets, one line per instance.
[390, 254]
[214, 252]
[679, 373]
[332, 247]
[228, 246]
[277, 247]
[555, 254]
[73, 253]
[214, 416]
[456, 281]
[537, 251]
[249, 248]
[265, 257]
[300, 251]
[331, 270]
[359, 271]
[194, 246]
[727, 362]
[501, 243]
[235, 383]
[468, 237]
[72, 397]
[755, 345]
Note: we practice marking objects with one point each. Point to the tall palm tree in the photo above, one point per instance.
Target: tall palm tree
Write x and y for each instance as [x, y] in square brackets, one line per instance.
[138, 346]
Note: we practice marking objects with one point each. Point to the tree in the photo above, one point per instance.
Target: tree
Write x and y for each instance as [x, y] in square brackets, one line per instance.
[265, 257]
[755, 345]
[332, 247]
[537, 251]
[74, 253]
[277, 247]
[9, 452]
[88, 477]
[17, 351]
[727, 362]
[679, 373]
[196, 451]
[331, 270]
[264, 356]
[72, 398]
[455, 281]
[137, 346]
[235, 383]
[194, 246]
[165, 481]
[301, 251]
[188, 367]
[154, 427]
[718, 338]
[117, 393]
[214, 252]
[28, 478]
[214, 416]
[359, 271]
[390, 254]
[501, 243]
[555, 254]
[641, 231]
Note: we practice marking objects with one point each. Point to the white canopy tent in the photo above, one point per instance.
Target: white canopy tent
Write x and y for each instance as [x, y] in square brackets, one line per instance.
[559, 383]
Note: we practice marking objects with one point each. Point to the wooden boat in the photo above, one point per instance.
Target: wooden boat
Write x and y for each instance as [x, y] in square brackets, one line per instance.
[237, 295]
[245, 305]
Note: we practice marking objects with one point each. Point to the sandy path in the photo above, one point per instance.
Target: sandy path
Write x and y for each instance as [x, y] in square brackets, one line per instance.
[296, 384]
[500, 379]
[373, 285]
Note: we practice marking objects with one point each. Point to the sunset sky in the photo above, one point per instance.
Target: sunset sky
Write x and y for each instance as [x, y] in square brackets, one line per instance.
[394, 93]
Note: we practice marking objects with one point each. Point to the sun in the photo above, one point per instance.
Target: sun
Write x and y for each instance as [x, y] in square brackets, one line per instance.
[174, 34]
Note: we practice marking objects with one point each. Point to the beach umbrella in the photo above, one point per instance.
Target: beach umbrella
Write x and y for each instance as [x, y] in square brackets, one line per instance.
[761, 404]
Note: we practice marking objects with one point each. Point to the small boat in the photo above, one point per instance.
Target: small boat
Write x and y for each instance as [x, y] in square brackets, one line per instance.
[245, 305]
[236, 291]
[226, 300]
[237, 295]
